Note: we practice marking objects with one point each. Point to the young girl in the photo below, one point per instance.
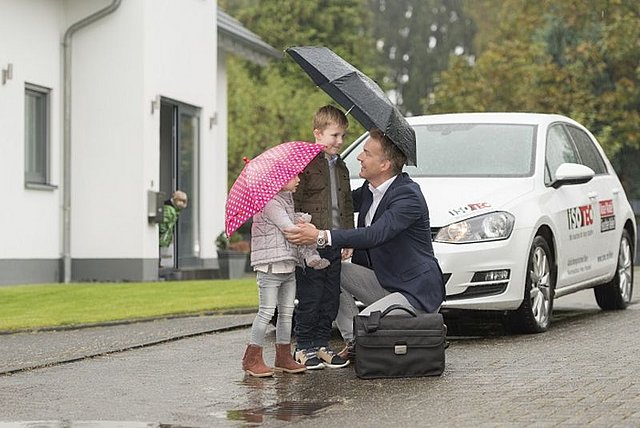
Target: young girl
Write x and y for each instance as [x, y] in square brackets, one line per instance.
[274, 259]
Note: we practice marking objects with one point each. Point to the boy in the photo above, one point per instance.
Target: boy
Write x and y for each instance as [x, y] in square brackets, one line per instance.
[172, 208]
[325, 193]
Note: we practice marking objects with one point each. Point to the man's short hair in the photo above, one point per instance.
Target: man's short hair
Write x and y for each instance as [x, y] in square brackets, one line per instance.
[179, 195]
[329, 115]
[390, 150]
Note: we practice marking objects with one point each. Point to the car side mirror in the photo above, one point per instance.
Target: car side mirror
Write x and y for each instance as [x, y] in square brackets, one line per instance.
[572, 173]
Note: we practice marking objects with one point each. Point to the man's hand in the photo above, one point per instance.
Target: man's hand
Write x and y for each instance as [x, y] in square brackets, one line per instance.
[302, 234]
[347, 253]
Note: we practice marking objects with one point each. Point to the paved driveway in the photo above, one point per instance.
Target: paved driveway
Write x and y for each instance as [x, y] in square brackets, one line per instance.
[584, 370]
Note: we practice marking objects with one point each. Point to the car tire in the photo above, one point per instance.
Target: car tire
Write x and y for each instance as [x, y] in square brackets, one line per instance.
[616, 294]
[534, 314]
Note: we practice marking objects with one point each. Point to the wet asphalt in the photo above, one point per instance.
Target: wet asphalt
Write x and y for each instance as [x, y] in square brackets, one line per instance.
[185, 372]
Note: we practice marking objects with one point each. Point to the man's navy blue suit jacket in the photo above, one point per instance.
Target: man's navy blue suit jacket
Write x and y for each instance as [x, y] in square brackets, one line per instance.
[397, 245]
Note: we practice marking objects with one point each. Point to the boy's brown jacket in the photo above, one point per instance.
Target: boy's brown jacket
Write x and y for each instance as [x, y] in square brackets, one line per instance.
[313, 195]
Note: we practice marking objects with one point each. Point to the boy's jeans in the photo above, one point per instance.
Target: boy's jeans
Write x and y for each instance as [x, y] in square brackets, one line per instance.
[318, 300]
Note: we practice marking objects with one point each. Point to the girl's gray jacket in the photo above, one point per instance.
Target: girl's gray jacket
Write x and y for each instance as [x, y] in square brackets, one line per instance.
[268, 244]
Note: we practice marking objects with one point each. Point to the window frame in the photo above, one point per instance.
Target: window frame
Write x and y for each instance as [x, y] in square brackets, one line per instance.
[549, 173]
[37, 138]
[587, 151]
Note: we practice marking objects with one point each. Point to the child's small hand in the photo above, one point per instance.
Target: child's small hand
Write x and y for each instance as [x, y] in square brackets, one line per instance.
[300, 218]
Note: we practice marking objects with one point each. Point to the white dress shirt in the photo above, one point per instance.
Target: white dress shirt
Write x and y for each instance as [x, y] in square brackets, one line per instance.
[378, 194]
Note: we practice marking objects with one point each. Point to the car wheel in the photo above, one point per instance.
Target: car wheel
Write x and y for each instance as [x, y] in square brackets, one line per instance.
[534, 314]
[616, 294]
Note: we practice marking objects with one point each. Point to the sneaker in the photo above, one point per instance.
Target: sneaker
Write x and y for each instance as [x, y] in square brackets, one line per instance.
[309, 358]
[349, 350]
[331, 359]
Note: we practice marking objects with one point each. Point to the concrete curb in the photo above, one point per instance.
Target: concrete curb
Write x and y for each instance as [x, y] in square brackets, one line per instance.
[32, 350]
[240, 311]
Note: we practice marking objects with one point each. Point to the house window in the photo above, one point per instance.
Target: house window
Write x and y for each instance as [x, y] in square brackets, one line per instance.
[36, 134]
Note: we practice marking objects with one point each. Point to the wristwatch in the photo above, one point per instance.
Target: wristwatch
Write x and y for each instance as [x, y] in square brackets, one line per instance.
[321, 241]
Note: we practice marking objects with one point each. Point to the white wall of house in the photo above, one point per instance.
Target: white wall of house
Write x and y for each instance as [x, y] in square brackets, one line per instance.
[108, 135]
[31, 218]
[116, 147]
[120, 64]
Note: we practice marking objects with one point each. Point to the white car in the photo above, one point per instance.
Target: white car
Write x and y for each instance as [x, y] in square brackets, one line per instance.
[524, 208]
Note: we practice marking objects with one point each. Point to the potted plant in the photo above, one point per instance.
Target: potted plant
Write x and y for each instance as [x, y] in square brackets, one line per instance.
[232, 255]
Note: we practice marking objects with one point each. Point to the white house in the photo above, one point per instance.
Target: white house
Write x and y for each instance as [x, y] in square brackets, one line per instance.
[103, 104]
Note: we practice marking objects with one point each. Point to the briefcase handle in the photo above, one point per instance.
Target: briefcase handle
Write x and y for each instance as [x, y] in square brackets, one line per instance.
[407, 309]
[373, 320]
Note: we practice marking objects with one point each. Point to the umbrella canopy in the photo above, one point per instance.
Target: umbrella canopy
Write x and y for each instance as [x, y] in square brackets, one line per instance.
[263, 177]
[358, 94]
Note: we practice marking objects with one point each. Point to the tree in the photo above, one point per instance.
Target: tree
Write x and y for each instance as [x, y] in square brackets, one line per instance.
[415, 39]
[576, 57]
[264, 112]
[272, 104]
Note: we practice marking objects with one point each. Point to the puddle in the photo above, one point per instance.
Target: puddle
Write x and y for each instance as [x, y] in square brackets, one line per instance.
[284, 411]
[260, 394]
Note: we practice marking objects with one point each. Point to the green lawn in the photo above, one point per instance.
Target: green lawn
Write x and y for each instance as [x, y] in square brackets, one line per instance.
[49, 305]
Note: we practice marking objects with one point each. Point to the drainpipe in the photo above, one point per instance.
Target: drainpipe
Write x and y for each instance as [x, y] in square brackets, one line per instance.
[66, 112]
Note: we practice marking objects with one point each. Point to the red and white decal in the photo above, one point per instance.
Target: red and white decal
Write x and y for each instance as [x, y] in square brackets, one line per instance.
[469, 207]
[578, 217]
[607, 216]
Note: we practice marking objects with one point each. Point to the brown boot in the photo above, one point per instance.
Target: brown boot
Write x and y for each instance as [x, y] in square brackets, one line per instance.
[284, 360]
[253, 363]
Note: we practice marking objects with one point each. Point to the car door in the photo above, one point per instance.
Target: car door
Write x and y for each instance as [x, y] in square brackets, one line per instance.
[571, 207]
[604, 191]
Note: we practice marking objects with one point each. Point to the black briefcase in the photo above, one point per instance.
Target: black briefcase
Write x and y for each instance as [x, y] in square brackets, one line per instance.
[389, 345]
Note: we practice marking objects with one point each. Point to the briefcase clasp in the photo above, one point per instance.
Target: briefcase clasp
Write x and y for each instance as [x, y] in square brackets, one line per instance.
[400, 349]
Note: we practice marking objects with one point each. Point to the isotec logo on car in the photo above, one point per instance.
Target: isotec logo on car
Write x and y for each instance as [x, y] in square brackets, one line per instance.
[470, 207]
[607, 217]
[581, 216]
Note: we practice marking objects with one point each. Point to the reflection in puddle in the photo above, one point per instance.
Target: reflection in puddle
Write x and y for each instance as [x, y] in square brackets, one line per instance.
[262, 392]
[284, 411]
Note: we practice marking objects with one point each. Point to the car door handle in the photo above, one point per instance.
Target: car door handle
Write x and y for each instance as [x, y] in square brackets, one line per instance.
[592, 195]
[615, 190]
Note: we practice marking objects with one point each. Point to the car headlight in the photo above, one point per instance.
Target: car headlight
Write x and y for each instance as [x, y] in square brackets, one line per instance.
[488, 227]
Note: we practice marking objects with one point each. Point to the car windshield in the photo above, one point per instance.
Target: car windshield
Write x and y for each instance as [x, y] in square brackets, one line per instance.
[468, 150]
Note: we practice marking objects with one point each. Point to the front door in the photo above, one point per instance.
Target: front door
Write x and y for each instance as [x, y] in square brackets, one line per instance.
[179, 145]
[574, 208]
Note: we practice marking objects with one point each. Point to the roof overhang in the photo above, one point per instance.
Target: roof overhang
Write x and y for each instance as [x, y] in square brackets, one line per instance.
[236, 39]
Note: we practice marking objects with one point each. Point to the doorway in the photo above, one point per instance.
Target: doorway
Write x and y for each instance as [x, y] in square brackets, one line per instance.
[179, 147]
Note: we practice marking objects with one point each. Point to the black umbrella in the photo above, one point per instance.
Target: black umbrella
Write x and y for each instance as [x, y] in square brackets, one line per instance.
[358, 94]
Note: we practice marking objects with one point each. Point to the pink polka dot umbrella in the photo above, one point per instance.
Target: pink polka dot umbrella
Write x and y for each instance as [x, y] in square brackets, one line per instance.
[263, 177]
